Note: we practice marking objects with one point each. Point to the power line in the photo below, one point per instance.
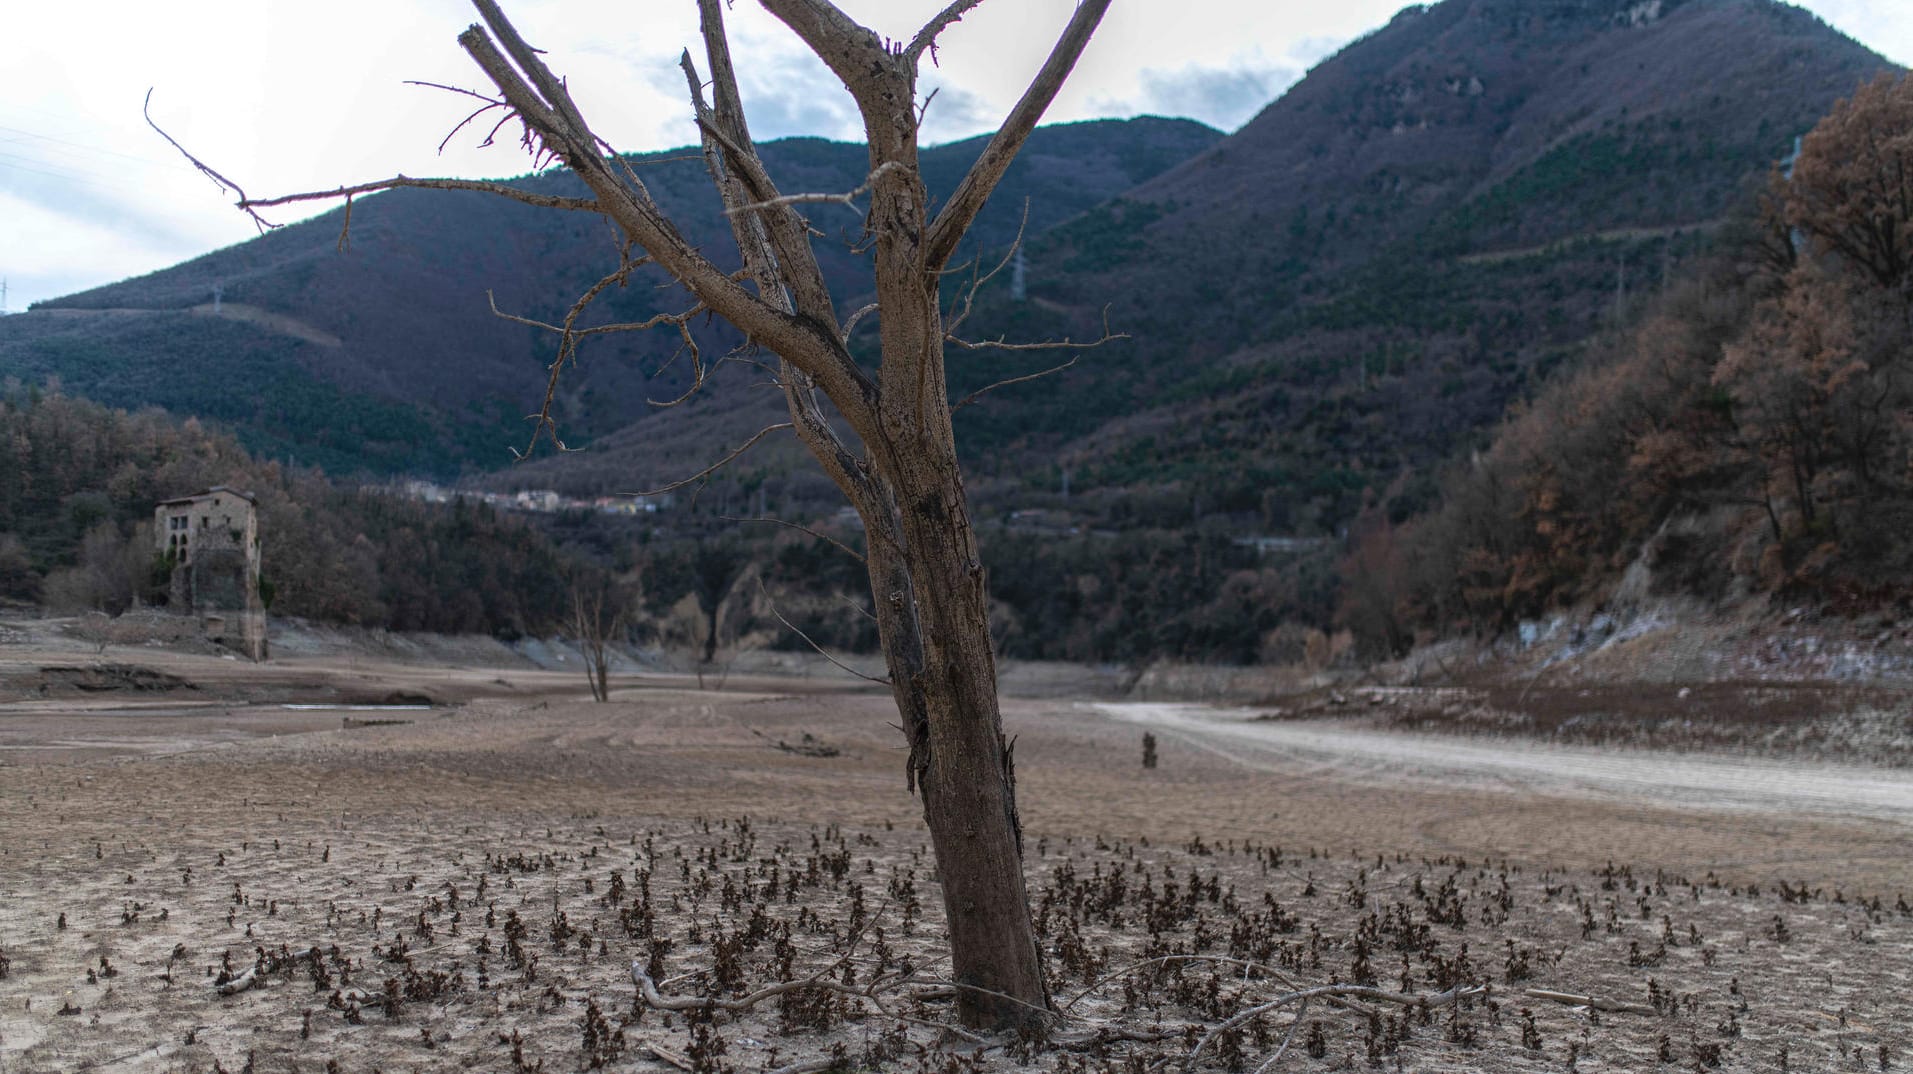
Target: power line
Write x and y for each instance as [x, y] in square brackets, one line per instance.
[148, 161]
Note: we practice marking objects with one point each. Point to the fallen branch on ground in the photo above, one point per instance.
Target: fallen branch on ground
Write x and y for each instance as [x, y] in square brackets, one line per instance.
[1571, 1000]
[238, 982]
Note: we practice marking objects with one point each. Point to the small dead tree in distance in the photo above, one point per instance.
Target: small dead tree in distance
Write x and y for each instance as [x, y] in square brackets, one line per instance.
[926, 579]
[598, 613]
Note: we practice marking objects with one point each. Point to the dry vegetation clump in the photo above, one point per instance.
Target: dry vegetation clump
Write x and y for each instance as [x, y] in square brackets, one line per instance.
[740, 945]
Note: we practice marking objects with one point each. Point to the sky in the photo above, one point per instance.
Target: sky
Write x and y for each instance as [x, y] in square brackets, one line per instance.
[283, 97]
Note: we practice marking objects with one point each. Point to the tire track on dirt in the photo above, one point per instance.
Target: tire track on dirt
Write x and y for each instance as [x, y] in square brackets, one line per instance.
[1679, 781]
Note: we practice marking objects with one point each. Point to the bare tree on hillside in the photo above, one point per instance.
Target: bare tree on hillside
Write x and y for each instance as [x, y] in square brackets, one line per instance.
[902, 475]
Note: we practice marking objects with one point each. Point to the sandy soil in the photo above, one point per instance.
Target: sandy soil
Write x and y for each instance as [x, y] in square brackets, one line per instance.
[461, 888]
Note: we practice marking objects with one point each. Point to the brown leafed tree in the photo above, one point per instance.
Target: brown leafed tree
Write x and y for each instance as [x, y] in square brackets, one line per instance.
[897, 464]
[1851, 191]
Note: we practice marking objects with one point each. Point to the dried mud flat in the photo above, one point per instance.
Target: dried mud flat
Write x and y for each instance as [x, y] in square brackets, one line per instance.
[469, 888]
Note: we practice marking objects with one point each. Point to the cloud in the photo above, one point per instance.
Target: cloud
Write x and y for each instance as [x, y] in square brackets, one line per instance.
[1223, 97]
[786, 92]
[787, 95]
[955, 114]
[93, 194]
[58, 250]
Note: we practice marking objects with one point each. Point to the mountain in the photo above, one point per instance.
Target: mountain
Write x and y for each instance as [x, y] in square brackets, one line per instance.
[1357, 283]
[1317, 308]
[374, 348]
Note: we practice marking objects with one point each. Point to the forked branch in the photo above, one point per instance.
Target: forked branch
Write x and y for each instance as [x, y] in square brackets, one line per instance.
[547, 110]
[975, 189]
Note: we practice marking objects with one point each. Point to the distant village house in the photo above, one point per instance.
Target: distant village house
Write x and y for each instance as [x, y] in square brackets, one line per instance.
[212, 540]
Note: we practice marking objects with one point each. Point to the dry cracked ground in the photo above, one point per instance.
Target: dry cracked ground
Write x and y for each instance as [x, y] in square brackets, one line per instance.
[211, 866]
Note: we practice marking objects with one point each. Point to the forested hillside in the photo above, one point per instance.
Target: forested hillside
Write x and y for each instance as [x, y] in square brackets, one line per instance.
[1749, 434]
[1351, 288]
[78, 484]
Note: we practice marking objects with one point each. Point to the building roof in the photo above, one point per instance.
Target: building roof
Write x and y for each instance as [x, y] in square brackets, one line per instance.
[216, 490]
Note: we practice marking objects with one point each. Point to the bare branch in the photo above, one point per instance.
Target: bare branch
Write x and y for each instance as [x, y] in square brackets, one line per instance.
[976, 187]
[1064, 344]
[1595, 1002]
[251, 205]
[345, 226]
[964, 305]
[927, 37]
[855, 317]
[801, 528]
[456, 89]
[221, 181]
[999, 344]
[570, 336]
[490, 103]
[1287, 1039]
[847, 198]
[716, 466]
[782, 230]
[846, 46]
[686, 344]
[820, 649]
[597, 330]
[543, 201]
[986, 389]
[858, 608]
[797, 339]
[550, 87]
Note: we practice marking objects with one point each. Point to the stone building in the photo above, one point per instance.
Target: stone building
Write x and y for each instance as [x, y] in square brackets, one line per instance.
[212, 540]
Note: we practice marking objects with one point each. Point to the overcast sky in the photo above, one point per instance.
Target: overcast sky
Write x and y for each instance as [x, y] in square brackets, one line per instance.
[283, 97]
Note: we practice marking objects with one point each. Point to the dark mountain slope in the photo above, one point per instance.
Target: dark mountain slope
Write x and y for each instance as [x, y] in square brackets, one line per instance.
[1363, 276]
[386, 357]
[1319, 307]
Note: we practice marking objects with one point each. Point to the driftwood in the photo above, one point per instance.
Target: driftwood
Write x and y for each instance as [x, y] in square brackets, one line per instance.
[1571, 1000]
[664, 1054]
[238, 982]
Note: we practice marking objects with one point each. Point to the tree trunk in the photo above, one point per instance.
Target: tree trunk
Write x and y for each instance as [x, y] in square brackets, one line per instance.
[933, 617]
[926, 578]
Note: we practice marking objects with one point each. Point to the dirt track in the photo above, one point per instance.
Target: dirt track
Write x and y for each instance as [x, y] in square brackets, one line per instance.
[1633, 778]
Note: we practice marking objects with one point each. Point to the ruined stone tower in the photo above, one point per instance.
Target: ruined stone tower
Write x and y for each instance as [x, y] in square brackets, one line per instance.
[212, 539]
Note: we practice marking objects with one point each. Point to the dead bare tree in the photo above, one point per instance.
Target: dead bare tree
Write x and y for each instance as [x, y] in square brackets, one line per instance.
[596, 616]
[902, 475]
